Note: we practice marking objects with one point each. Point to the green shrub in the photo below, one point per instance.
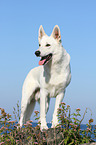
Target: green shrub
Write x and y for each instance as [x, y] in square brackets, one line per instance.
[71, 126]
[11, 133]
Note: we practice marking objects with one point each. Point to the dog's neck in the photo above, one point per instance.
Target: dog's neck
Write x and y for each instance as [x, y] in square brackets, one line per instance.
[54, 65]
[55, 68]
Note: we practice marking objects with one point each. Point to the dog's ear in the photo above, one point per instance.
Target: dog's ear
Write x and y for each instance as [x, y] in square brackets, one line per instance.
[41, 33]
[56, 33]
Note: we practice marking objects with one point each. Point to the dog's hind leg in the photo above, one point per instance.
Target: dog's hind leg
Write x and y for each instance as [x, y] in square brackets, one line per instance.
[47, 104]
[26, 111]
[29, 110]
[27, 104]
[31, 87]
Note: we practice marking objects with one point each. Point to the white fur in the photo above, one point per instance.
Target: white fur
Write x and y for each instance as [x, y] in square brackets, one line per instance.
[46, 81]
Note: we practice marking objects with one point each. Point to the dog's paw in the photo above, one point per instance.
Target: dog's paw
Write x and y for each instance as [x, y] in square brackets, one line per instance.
[43, 127]
[54, 124]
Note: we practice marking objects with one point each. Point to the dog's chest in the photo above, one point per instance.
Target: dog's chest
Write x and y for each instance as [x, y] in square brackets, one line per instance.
[54, 86]
[54, 90]
[56, 81]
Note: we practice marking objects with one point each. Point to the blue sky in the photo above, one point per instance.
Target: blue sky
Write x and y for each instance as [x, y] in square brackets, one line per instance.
[19, 24]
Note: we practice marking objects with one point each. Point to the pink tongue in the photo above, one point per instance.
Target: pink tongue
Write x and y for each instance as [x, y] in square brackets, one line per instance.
[41, 62]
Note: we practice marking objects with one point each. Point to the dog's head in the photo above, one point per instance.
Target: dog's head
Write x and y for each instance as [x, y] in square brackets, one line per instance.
[48, 45]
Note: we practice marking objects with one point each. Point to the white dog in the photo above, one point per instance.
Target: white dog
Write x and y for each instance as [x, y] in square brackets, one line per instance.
[48, 80]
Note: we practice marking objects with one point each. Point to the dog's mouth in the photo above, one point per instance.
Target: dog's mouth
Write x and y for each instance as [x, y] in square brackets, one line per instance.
[45, 59]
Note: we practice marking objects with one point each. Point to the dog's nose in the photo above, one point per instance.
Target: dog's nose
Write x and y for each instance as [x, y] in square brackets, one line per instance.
[37, 53]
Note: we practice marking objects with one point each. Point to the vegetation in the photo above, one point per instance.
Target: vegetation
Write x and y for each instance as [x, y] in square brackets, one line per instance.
[69, 129]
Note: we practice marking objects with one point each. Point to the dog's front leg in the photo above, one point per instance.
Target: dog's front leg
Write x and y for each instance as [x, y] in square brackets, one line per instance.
[43, 100]
[59, 99]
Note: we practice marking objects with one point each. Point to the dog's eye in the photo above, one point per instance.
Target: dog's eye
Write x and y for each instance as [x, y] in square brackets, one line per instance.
[39, 44]
[48, 45]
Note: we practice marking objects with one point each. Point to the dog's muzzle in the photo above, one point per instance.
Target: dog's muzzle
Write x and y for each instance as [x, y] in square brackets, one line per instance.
[44, 59]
